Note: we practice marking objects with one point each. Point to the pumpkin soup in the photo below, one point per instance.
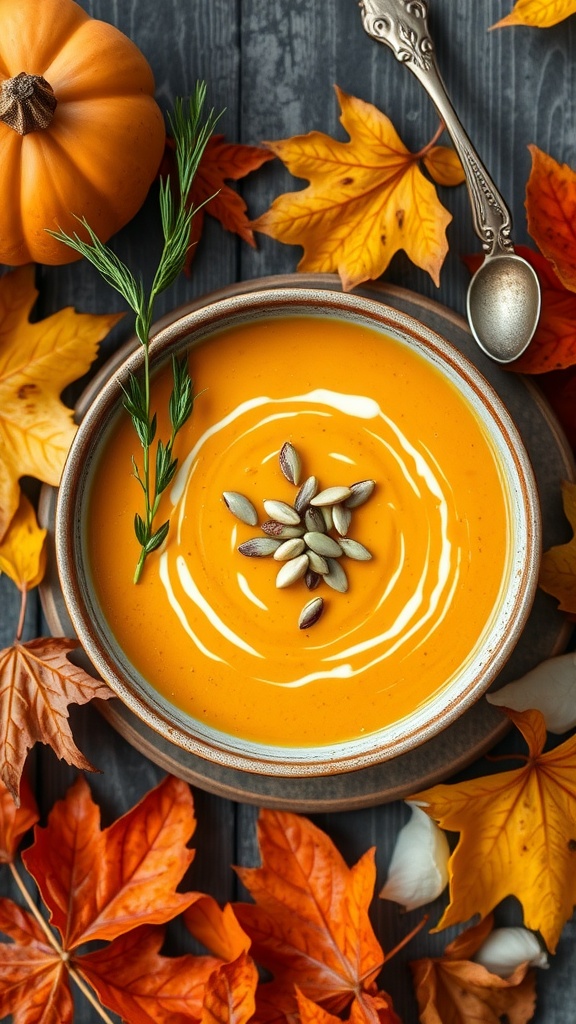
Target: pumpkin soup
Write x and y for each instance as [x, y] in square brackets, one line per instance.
[211, 630]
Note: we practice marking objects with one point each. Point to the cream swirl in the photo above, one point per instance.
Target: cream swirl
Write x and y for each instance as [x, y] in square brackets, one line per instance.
[415, 491]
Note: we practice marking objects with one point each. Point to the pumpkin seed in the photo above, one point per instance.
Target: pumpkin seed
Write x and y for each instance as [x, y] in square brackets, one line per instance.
[310, 613]
[318, 564]
[312, 579]
[291, 571]
[331, 496]
[307, 491]
[289, 549]
[259, 547]
[240, 507]
[282, 512]
[342, 518]
[354, 549]
[314, 520]
[322, 544]
[290, 463]
[336, 577]
[328, 517]
[360, 492]
[275, 529]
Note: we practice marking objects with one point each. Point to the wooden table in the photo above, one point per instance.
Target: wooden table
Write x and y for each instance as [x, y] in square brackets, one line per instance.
[273, 64]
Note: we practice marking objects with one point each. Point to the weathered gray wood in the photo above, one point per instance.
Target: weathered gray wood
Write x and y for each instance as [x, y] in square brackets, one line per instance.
[273, 64]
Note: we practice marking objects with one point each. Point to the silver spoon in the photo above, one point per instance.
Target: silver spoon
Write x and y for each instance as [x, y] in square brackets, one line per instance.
[503, 302]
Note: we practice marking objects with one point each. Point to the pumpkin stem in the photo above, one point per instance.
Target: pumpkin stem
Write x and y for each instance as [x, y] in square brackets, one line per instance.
[27, 103]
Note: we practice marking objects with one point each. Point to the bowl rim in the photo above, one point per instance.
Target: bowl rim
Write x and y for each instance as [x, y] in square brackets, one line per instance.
[105, 395]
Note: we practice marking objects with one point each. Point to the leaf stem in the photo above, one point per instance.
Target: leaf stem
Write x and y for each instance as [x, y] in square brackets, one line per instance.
[84, 988]
[429, 145]
[89, 995]
[34, 910]
[23, 603]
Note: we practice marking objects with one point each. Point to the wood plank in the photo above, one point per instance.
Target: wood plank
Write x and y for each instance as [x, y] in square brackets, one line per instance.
[273, 66]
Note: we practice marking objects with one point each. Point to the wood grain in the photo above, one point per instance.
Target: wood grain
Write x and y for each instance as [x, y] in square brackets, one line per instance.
[272, 65]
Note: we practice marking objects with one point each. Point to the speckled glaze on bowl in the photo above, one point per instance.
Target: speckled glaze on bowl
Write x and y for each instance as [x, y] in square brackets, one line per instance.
[412, 730]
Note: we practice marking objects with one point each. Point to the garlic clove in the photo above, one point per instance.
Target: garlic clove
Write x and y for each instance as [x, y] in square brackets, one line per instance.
[506, 948]
[549, 688]
[418, 870]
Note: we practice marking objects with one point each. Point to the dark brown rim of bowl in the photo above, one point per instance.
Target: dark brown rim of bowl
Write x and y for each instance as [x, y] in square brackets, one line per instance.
[95, 638]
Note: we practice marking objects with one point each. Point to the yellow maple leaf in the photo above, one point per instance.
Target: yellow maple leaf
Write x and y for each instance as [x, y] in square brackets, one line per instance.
[517, 835]
[558, 567]
[367, 198]
[37, 361]
[539, 13]
[22, 550]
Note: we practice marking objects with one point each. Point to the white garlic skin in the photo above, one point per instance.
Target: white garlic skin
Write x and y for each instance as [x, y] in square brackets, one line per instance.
[418, 870]
[506, 948]
[549, 688]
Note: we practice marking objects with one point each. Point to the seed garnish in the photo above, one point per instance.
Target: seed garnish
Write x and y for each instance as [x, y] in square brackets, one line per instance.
[240, 507]
[300, 536]
[310, 613]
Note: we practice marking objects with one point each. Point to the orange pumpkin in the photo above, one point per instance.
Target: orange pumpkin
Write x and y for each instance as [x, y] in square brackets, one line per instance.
[80, 132]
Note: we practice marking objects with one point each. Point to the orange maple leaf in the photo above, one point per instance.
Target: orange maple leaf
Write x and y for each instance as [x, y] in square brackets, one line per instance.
[37, 683]
[558, 566]
[37, 361]
[451, 989]
[128, 871]
[217, 928]
[135, 981]
[15, 819]
[518, 835]
[367, 198]
[229, 997]
[221, 161]
[551, 210]
[553, 346]
[365, 1009]
[539, 13]
[310, 924]
[114, 884]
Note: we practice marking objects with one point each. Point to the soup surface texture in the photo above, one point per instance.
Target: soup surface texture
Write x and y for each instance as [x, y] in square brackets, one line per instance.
[209, 628]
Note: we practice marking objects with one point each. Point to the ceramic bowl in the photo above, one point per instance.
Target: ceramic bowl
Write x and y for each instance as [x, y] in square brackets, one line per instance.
[181, 334]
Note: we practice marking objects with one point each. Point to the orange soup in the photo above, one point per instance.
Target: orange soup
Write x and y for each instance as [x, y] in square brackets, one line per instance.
[210, 629]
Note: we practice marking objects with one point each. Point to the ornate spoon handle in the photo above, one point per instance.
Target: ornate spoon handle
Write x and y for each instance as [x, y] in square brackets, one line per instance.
[402, 25]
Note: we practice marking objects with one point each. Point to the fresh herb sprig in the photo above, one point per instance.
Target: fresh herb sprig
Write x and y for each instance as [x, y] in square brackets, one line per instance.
[191, 133]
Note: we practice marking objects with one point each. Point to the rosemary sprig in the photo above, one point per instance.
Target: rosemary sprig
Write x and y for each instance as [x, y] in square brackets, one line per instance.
[191, 134]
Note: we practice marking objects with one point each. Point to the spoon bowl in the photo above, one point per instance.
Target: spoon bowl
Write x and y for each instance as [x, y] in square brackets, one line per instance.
[503, 306]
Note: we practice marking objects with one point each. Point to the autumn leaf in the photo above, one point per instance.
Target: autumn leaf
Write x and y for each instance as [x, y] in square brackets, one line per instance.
[217, 928]
[128, 871]
[551, 210]
[22, 551]
[118, 884]
[454, 990]
[558, 566]
[539, 13]
[221, 162]
[517, 835]
[37, 361]
[32, 974]
[310, 923]
[367, 198]
[553, 346]
[134, 980]
[559, 388]
[15, 819]
[229, 996]
[365, 1009]
[37, 683]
